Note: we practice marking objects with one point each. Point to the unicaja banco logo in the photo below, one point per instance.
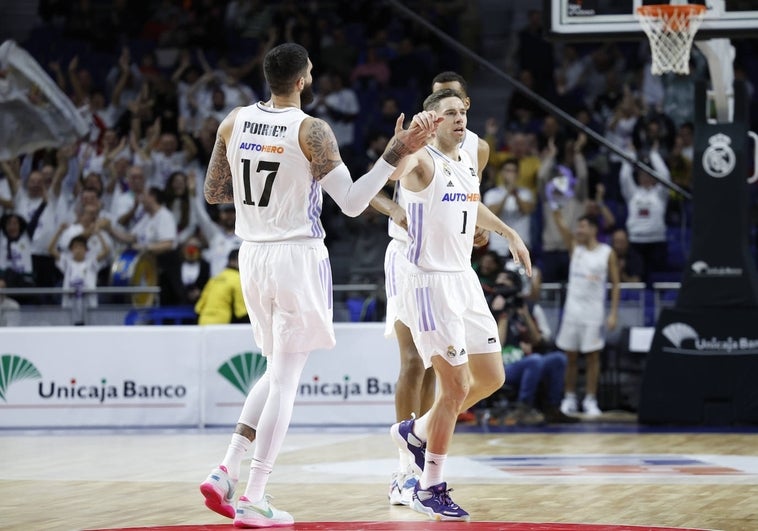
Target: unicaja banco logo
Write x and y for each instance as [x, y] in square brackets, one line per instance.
[702, 268]
[14, 368]
[243, 370]
[678, 333]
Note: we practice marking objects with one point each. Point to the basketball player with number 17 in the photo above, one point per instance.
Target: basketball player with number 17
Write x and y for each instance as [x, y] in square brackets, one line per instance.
[272, 160]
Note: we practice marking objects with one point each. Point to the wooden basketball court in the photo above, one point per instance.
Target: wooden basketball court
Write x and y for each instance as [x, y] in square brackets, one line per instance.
[590, 474]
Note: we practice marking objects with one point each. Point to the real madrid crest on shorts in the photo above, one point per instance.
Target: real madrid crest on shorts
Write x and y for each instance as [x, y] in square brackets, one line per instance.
[719, 158]
[451, 352]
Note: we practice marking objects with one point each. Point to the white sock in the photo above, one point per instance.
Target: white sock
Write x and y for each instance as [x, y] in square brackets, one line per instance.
[570, 395]
[433, 466]
[419, 427]
[235, 453]
[284, 369]
[405, 460]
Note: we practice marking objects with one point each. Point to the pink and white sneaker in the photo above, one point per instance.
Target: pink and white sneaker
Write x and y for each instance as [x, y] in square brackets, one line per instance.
[218, 489]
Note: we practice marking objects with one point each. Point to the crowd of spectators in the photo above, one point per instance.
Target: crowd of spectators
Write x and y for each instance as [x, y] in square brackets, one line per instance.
[154, 79]
[538, 163]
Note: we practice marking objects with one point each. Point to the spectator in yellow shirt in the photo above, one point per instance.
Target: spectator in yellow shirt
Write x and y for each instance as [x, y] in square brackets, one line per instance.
[221, 301]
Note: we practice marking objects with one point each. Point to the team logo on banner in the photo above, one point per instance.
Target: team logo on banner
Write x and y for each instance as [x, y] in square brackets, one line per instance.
[719, 158]
[678, 333]
[702, 268]
[14, 368]
[243, 370]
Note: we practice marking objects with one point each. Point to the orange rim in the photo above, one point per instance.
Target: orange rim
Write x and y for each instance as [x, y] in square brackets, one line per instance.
[676, 17]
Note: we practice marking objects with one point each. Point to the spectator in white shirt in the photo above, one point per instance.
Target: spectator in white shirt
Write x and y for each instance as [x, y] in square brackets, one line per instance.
[512, 204]
[646, 203]
[155, 231]
[126, 208]
[220, 236]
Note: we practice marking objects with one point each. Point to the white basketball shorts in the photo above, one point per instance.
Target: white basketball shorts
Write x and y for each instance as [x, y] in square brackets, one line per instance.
[395, 271]
[288, 293]
[580, 337]
[448, 316]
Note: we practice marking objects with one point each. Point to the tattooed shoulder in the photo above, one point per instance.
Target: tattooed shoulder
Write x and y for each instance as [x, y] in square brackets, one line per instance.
[321, 146]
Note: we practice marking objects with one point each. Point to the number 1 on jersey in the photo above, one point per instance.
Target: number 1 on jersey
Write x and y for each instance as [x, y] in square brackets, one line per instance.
[263, 165]
[465, 219]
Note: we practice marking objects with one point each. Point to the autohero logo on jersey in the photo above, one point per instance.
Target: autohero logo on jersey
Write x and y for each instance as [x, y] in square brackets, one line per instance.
[458, 197]
[345, 389]
[702, 269]
[252, 146]
[682, 336]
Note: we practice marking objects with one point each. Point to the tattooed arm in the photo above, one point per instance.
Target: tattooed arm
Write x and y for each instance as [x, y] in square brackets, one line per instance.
[218, 178]
[320, 146]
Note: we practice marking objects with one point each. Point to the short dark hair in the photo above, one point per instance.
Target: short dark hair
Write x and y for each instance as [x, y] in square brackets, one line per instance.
[81, 238]
[158, 194]
[282, 66]
[451, 77]
[592, 220]
[432, 100]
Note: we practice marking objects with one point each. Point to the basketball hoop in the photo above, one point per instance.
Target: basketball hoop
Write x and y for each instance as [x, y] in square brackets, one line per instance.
[671, 30]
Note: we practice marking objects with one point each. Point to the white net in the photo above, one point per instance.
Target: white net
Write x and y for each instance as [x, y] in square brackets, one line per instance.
[670, 30]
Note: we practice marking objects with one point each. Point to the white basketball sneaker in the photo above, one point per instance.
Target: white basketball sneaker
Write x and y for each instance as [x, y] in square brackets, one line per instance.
[589, 406]
[260, 514]
[218, 489]
[569, 405]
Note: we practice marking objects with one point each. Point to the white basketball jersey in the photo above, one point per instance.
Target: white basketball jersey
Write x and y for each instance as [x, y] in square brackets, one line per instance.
[470, 145]
[275, 195]
[588, 274]
[442, 217]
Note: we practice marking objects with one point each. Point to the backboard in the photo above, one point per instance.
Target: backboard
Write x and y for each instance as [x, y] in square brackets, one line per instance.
[590, 20]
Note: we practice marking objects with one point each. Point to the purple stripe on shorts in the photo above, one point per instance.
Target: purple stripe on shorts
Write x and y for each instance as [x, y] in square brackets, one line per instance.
[391, 280]
[327, 265]
[325, 273]
[425, 316]
[428, 302]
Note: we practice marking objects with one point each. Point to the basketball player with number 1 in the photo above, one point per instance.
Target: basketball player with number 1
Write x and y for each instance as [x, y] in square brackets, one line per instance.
[442, 299]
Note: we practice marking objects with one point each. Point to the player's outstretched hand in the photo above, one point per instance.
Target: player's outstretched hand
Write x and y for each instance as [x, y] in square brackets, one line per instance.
[406, 141]
[421, 130]
[520, 253]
